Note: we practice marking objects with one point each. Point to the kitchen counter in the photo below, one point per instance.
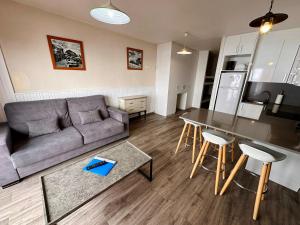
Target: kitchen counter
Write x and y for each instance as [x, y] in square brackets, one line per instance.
[277, 133]
[268, 129]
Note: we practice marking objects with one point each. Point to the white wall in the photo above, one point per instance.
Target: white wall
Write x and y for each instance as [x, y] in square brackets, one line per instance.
[163, 66]
[182, 77]
[174, 74]
[23, 39]
[6, 89]
[200, 78]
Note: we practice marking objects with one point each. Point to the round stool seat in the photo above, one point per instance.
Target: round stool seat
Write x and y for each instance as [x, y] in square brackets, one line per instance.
[260, 152]
[217, 137]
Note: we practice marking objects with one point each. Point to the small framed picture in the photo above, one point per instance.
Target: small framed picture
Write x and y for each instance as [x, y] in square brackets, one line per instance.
[134, 59]
[66, 54]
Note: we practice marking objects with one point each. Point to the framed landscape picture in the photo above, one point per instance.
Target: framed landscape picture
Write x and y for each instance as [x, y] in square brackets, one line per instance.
[66, 54]
[134, 59]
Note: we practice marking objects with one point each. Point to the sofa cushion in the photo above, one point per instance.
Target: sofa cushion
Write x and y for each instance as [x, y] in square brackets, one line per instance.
[46, 146]
[96, 131]
[19, 113]
[41, 127]
[89, 103]
[90, 117]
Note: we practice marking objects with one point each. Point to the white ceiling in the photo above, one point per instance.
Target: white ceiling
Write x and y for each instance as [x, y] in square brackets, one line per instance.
[159, 21]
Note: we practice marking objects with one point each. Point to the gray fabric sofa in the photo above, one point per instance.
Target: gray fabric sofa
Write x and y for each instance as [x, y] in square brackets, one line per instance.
[21, 155]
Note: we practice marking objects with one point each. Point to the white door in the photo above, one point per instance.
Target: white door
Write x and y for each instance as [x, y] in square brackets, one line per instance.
[266, 58]
[232, 44]
[248, 43]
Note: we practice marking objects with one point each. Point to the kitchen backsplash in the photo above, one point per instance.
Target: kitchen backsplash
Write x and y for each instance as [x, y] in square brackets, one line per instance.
[262, 90]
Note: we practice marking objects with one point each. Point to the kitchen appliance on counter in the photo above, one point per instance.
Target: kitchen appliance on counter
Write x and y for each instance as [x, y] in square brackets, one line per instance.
[229, 92]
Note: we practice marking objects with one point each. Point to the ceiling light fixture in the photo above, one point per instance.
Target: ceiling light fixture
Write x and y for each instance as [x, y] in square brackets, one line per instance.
[266, 22]
[184, 51]
[108, 13]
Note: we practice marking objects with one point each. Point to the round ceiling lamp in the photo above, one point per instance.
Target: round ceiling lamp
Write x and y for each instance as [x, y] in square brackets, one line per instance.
[184, 51]
[110, 14]
[266, 22]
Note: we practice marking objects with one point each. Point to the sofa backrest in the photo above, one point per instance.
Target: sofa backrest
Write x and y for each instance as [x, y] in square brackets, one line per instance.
[18, 113]
[83, 104]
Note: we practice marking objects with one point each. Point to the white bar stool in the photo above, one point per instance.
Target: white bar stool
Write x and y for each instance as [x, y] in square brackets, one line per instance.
[217, 138]
[188, 124]
[263, 154]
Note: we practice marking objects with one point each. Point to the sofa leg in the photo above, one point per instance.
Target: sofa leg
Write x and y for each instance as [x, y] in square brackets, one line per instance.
[11, 184]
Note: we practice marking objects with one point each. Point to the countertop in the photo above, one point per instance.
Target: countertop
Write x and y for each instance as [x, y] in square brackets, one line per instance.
[268, 129]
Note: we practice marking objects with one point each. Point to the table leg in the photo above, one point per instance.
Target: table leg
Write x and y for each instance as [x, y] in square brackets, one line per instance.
[148, 176]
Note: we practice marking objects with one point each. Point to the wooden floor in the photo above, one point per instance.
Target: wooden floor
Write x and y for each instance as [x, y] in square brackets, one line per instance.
[171, 198]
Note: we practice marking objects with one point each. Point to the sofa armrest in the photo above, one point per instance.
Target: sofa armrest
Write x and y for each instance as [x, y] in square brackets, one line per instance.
[8, 173]
[118, 114]
[5, 139]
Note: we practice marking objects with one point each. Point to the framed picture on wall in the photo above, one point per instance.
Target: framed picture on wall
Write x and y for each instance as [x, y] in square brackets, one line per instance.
[134, 59]
[66, 54]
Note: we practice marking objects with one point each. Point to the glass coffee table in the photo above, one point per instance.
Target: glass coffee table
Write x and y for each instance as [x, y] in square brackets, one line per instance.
[69, 188]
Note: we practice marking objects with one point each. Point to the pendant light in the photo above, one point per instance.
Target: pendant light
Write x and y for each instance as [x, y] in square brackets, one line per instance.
[108, 13]
[267, 21]
[184, 51]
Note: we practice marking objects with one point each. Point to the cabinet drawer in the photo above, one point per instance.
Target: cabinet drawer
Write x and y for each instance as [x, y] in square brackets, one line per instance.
[130, 103]
[251, 111]
[135, 103]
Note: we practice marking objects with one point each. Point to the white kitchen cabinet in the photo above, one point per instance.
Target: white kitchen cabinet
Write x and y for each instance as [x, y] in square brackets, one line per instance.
[248, 43]
[274, 57]
[294, 77]
[232, 45]
[266, 59]
[243, 44]
[250, 110]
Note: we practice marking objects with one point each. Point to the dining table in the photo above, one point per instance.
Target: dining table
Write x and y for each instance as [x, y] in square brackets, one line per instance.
[278, 134]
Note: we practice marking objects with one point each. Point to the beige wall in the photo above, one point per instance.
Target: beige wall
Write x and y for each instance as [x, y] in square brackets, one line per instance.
[23, 40]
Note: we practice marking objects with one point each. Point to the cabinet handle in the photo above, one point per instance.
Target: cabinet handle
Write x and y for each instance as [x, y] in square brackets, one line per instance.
[237, 49]
[285, 78]
[241, 50]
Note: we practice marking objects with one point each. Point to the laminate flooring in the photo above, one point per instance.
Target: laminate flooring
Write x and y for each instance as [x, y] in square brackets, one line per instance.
[171, 198]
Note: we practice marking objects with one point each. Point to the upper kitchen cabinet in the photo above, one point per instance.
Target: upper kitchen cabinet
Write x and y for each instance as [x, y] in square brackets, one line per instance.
[243, 44]
[294, 77]
[266, 57]
[274, 56]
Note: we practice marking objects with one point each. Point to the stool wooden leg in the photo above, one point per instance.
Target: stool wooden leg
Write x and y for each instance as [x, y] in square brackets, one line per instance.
[198, 158]
[194, 144]
[266, 179]
[218, 169]
[232, 152]
[188, 134]
[233, 172]
[204, 154]
[260, 190]
[179, 142]
[224, 162]
[200, 134]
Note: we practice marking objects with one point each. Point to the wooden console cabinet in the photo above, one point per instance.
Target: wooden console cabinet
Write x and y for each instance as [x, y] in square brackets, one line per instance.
[134, 104]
